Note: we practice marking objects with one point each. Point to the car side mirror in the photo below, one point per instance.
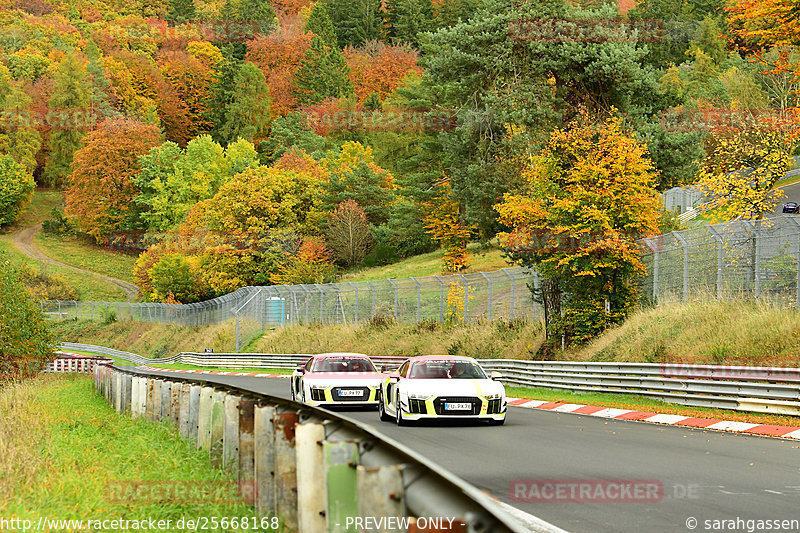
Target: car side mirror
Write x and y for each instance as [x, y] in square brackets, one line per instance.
[394, 376]
[301, 369]
[495, 375]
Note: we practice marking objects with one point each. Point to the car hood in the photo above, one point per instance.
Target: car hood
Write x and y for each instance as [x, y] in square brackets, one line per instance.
[452, 387]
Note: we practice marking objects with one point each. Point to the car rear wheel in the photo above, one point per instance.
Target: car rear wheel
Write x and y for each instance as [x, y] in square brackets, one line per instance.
[382, 410]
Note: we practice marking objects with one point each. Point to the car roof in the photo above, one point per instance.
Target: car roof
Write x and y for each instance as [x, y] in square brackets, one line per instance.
[340, 355]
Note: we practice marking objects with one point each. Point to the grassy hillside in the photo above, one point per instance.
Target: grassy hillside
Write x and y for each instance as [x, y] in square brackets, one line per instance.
[483, 260]
[75, 252]
[703, 331]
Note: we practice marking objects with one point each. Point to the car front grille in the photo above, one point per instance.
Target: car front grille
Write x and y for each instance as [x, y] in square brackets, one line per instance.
[438, 405]
[362, 396]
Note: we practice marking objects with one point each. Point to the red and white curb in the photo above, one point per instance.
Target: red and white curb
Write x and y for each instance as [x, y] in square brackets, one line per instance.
[214, 372]
[767, 430]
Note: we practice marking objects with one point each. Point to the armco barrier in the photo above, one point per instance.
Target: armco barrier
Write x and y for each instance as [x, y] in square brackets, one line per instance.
[305, 463]
[772, 390]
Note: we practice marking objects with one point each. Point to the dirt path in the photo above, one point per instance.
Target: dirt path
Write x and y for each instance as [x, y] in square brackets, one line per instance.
[23, 241]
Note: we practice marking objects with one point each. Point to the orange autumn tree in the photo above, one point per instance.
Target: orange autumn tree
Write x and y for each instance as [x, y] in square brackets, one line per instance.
[768, 33]
[445, 225]
[279, 55]
[379, 69]
[586, 200]
[101, 188]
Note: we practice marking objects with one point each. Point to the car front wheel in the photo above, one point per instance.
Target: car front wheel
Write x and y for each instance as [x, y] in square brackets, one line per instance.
[382, 410]
[399, 414]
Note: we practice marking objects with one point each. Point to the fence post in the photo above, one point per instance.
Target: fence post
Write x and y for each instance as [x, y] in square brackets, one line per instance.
[441, 299]
[466, 297]
[489, 298]
[511, 277]
[419, 296]
[656, 254]
[757, 243]
[395, 296]
[685, 265]
[720, 256]
[797, 259]
[355, 288]
[371, 286]
[238, 343]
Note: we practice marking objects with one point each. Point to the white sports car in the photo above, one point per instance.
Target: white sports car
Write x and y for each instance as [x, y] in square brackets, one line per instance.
[441, 386]
[345, 379]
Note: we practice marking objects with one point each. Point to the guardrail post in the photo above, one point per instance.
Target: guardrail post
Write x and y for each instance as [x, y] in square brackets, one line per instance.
[311, 495]
[156, 408]
[183, 413]
[175, 404]
[246, 468]
[166, 399]
[127, 381]
[230, 439]
[264, 435]
[341, 480]
[380, 491]
[194, 411]
[118, 392]
[286, 469]
[217, 426]
[135, 397]
[204, 419]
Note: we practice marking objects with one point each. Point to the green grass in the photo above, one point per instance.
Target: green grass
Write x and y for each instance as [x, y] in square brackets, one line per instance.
[97, 289]
[483, 260]
[73, 251]
[39, 209]
[639, 403]
[64, 450]
[181, 366]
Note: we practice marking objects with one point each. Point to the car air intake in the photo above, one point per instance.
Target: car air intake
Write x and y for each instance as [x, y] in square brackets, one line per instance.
[318, 395]
[493, 407]
[417, 407]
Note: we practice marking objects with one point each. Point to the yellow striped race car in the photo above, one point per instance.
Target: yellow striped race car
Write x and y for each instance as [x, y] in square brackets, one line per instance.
[442, 386]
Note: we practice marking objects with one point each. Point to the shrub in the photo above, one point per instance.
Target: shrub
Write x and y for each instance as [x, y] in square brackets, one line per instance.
[16, 189]
[26, 344]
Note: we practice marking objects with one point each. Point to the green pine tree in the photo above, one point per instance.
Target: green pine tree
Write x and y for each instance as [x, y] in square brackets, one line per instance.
[356, 22]
[322, 74]
[319, 23]
[408, 18]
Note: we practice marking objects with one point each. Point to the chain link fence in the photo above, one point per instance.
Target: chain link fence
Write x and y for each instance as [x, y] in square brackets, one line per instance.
[754, 259]
[502, 294]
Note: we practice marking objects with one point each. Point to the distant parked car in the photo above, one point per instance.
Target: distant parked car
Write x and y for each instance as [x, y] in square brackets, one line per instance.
[791, 207]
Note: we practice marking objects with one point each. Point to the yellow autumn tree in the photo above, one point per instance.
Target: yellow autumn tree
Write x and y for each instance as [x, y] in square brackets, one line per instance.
[741, 170]
[586, 200]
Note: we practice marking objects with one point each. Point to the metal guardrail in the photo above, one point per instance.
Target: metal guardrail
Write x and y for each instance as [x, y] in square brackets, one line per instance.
[773, 390]
[309, 466]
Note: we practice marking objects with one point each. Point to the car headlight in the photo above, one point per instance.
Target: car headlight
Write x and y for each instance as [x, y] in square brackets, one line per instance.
[415, 396]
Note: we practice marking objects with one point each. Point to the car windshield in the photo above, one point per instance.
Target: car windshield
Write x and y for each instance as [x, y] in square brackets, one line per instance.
[344, 364]
[446, 369]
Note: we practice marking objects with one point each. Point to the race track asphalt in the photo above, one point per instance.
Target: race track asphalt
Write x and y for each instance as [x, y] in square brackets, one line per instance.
[705, 475]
